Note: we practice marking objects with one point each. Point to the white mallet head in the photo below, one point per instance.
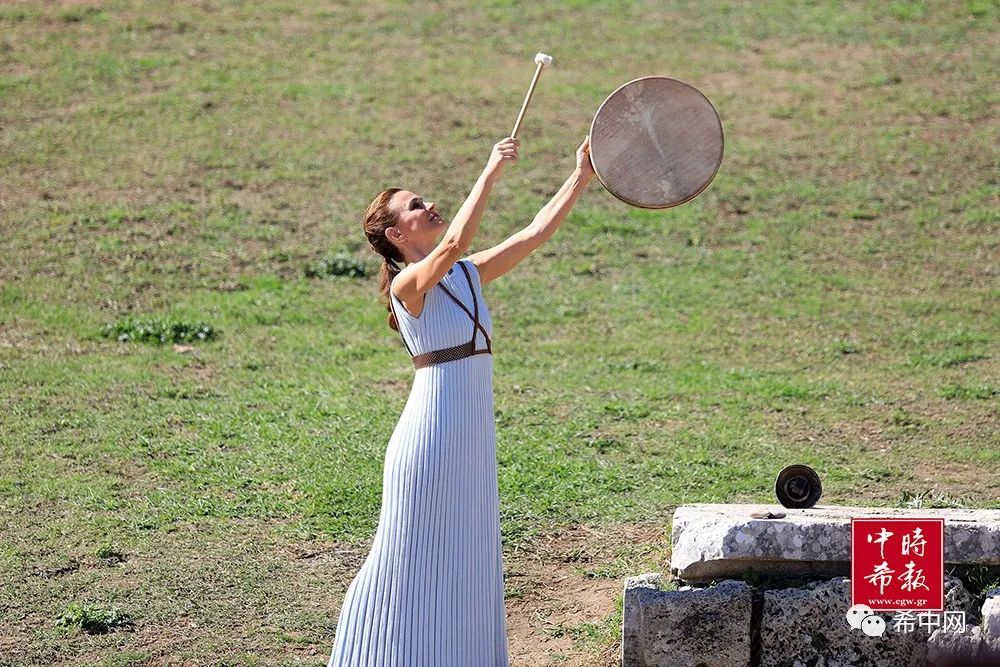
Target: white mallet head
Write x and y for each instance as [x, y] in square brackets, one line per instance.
[542, 59]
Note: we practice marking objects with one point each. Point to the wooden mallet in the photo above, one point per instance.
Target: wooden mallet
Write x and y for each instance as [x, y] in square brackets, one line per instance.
[541, 60]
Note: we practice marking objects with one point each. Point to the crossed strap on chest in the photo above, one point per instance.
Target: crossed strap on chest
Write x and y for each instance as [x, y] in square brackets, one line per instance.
[457, 351]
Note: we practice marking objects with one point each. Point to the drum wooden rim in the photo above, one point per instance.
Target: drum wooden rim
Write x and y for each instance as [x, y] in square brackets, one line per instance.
[718, 161]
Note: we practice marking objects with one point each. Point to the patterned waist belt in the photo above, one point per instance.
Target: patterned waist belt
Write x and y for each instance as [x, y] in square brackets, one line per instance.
[450, 354]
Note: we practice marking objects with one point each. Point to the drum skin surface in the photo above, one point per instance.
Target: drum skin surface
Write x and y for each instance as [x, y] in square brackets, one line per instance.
[656, 142]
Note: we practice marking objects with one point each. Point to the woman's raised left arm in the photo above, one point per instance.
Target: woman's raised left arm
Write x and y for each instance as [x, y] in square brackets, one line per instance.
[501, 258]
[554, 213]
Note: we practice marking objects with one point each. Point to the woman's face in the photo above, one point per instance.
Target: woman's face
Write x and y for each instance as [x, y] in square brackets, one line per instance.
[418, 220]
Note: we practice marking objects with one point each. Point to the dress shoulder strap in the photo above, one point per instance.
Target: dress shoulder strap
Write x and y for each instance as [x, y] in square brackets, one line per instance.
[475, 317]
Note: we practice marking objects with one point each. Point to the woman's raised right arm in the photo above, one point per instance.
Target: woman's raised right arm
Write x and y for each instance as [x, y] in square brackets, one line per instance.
[466, 222]
[414, 282]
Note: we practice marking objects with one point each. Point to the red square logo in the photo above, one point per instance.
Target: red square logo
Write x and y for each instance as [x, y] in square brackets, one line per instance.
[897, 564]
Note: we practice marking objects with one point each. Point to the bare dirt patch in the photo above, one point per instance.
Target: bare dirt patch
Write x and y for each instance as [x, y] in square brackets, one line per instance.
[565, 584]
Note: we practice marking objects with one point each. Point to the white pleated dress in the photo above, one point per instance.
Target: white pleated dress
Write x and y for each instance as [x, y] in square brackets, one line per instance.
[430, 592]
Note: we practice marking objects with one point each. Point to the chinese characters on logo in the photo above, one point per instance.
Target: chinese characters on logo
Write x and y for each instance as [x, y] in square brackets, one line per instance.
[949, 621]
[861, 617]
[897, 564]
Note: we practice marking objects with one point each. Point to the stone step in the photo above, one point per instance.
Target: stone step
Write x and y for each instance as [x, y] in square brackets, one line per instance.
[732, 624]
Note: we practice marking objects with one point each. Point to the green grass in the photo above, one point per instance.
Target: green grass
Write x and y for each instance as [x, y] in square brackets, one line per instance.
[829, 299]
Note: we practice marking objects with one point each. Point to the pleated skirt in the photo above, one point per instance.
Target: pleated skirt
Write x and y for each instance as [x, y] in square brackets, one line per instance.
[430, 592]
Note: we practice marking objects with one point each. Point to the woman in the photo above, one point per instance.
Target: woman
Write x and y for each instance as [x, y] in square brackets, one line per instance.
[430, 593]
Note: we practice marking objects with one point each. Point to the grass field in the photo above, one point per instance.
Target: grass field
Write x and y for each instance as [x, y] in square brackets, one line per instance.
[830, 299]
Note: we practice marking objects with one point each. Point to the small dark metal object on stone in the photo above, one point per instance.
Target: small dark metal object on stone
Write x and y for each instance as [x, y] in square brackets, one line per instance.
[798, 486]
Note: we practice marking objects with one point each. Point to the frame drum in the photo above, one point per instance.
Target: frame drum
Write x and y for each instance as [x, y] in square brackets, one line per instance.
[656, 142]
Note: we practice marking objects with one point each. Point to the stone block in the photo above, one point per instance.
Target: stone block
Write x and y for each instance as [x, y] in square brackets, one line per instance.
[991, 614]
[707, 627]
[808, 626]
[971, 648]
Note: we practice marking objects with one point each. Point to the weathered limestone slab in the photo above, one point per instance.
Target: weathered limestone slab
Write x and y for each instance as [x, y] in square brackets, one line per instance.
[808, 626]
[720, 541]
[694, 628]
